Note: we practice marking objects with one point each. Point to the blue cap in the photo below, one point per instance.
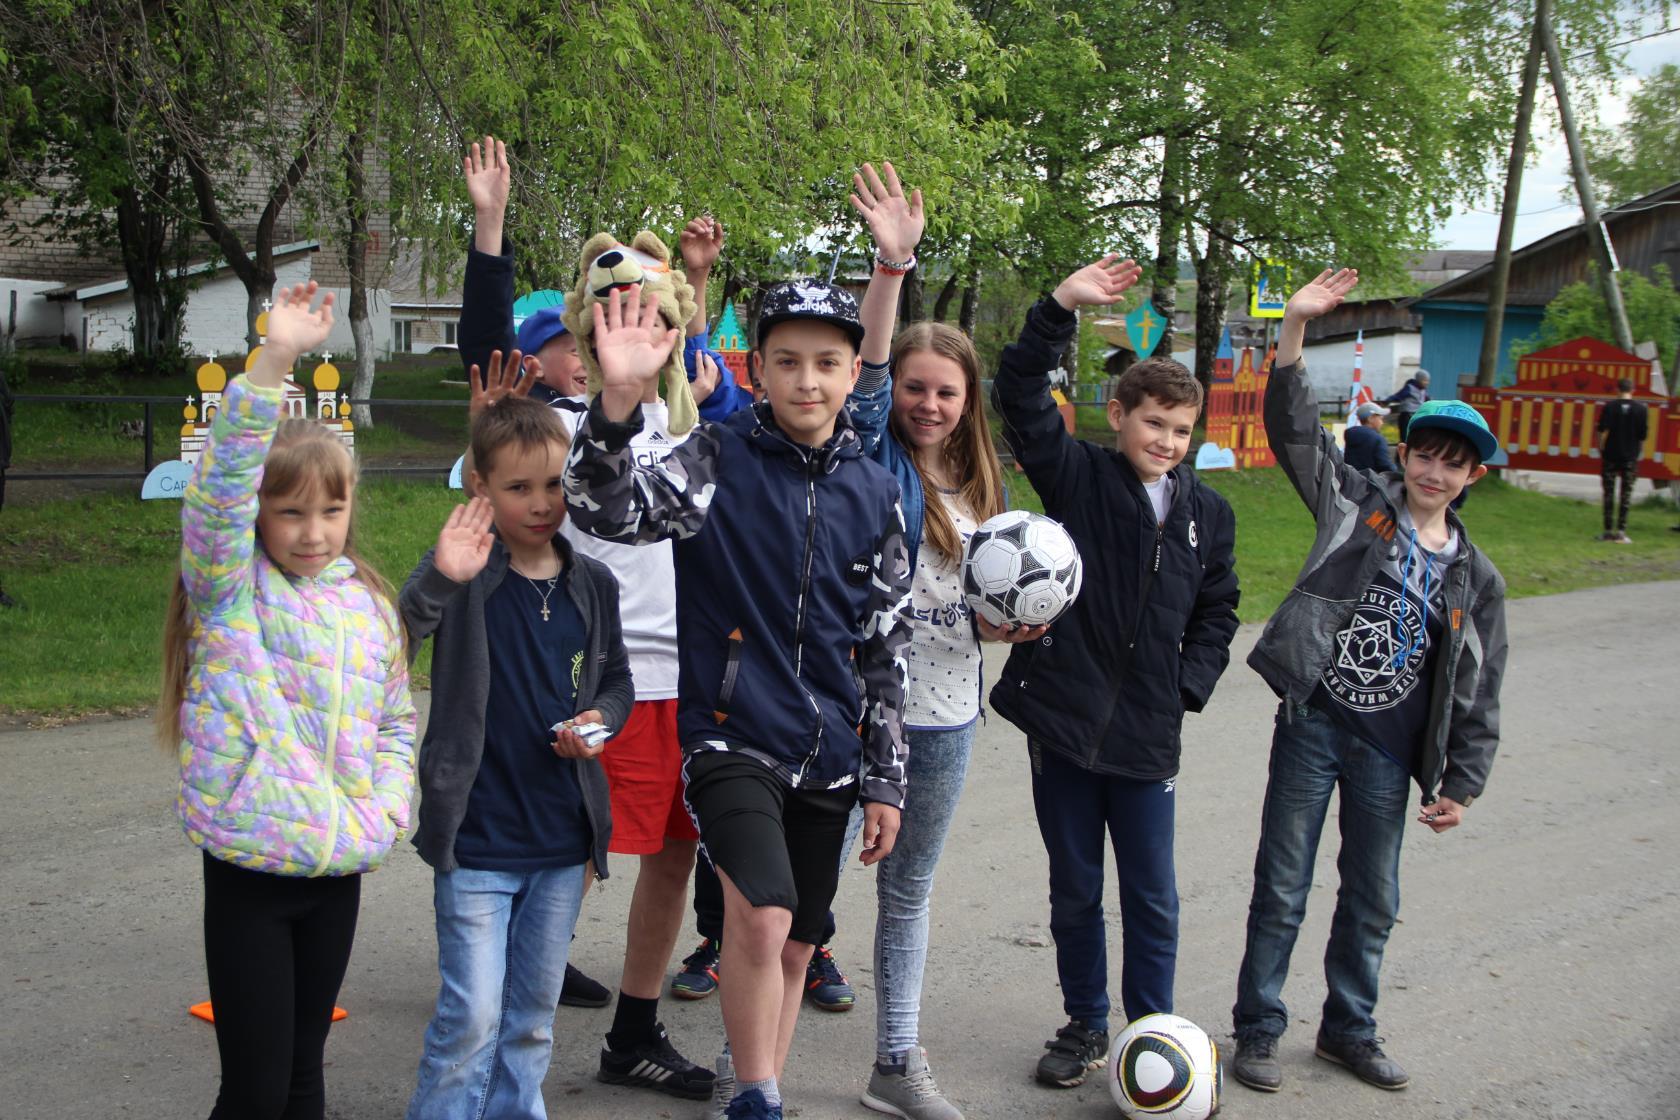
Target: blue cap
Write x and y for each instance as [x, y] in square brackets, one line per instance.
[1456, 416]
[540, 328]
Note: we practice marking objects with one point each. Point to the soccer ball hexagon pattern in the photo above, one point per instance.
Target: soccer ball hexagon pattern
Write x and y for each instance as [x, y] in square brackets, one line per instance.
[1164, 1066]
[1021, 568]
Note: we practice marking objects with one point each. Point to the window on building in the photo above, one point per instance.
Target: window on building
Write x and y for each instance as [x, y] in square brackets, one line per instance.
[449, 333]
[402, 331]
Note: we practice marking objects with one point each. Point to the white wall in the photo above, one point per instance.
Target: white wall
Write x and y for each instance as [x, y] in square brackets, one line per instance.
[39, 322]
[215, 318]
[1389, 360]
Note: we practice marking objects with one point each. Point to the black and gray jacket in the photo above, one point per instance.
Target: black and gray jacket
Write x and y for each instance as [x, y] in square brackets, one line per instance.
[433, 605]
[792, 583]
[1151, 631]
[1357, 515]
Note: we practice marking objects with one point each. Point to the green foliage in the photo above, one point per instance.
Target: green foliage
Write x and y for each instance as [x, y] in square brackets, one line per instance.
[1653, 311]
[1642, 154]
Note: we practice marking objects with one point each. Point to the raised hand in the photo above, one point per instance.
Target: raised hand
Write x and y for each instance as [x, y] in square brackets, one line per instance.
[1099, 283]
[463, 545]
[701, 241]
[632, 342]
[512, 379]
[292, 329]
[1323, 293]
[488, 175]
[706, 378]
[895, 221]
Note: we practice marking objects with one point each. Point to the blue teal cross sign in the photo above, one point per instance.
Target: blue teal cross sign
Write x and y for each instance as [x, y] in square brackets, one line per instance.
[1143, 329]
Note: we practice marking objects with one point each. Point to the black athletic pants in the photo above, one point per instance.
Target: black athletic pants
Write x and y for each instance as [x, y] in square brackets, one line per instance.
[1611, 473]
[276, 948]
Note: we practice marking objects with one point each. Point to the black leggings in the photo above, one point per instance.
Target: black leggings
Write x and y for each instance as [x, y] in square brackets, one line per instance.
[276, 948]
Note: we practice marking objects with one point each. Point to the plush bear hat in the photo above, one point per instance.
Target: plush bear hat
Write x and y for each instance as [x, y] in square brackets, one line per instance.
[607, 266]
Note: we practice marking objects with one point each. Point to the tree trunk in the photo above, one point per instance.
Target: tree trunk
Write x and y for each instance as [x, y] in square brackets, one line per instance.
[361, 330]
[942, 305]
[1213, 295]
[969, 315]
[911, 304]
[1164, 295]
[1487, 364]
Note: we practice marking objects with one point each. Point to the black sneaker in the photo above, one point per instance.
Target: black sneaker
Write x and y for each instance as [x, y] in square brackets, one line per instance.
[825, 984]
[698, 977]
[1073, 1051]
[580, 991]
[1365, 1057]
[655, 1064]
[1256, 1064]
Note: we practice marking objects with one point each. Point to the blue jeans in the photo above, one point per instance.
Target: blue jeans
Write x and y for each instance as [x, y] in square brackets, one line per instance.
[1311, 756]
[502, 943]
[1074, 808]
[934, 777]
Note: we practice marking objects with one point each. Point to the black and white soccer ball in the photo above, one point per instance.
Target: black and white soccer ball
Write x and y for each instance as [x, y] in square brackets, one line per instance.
[1021, 568]
[1164, 1066]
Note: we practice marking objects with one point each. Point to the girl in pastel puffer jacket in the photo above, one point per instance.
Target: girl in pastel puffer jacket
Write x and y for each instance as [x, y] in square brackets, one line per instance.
[286, 693]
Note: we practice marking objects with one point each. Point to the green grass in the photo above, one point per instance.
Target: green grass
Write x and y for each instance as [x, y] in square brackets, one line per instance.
[94, 574]
[94, 571]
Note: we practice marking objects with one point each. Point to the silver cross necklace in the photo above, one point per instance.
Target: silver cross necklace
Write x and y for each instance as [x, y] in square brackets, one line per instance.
[538, 589]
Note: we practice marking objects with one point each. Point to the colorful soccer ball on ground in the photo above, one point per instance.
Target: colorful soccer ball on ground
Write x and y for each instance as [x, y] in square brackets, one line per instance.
[1020, 568]
[1165, 1066]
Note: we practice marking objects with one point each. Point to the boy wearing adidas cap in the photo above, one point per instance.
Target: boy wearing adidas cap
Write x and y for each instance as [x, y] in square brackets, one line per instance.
[792, 577]
[1388, 656]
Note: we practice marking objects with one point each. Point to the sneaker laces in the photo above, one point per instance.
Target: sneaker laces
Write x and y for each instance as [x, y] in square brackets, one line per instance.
[703, 958]
[1259, 1044]
[823, 966]
[1366, 1047]
[921, 1086]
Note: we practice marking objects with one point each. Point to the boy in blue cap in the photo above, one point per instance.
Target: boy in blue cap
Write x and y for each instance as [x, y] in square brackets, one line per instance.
[1387, 656]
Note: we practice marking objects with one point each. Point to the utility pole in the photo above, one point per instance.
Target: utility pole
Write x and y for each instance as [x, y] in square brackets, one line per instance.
[1487, 368]
[1597, 235]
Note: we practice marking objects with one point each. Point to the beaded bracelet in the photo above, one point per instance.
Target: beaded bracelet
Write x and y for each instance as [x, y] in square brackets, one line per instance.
[894, 268]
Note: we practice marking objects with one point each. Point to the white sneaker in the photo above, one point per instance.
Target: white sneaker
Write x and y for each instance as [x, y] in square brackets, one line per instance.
[911, 1094]
[723, 1089]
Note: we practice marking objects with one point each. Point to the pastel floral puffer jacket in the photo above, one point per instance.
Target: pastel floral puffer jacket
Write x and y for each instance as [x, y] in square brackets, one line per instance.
[297, 752]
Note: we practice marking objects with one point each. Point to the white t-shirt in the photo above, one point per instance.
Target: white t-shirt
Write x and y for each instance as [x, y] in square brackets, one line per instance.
[943, 660]
[1160, 496]
[647, 579]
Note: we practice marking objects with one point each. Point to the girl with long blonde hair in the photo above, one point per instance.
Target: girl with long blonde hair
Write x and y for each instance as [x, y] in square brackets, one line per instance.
[286, 695]
[918, 409]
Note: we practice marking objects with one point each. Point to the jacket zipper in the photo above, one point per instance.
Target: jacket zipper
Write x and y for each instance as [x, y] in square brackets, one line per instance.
[333, 713]
[799, 616]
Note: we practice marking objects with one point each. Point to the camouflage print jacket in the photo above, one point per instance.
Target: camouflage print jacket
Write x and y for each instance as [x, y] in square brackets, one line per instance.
[792, 584]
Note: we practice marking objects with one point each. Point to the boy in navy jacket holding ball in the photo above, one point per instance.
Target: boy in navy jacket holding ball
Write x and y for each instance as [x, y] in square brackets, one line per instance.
[1102, 694]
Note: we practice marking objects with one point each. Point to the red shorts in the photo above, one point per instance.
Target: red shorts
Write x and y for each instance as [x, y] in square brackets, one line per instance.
[644, 775]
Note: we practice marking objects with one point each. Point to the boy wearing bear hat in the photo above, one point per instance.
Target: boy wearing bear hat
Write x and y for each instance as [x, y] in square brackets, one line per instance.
[792, 576]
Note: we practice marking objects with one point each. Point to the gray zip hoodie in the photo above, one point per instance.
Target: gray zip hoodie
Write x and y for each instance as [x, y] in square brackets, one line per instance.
[433, 604]
[1358, 518]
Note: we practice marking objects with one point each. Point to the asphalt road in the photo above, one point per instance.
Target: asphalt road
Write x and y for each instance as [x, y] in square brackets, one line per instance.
[1534, 973]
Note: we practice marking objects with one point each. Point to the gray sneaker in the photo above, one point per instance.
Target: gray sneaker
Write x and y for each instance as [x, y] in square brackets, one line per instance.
[723, 1089]
[911, 1094]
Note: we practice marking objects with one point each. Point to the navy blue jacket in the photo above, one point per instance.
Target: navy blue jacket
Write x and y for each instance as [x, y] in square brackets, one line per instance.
[1151, 631]
[792, 585]
[1366, 449]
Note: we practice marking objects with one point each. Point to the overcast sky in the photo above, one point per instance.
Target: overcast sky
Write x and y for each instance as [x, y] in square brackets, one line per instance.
[1542, 209]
